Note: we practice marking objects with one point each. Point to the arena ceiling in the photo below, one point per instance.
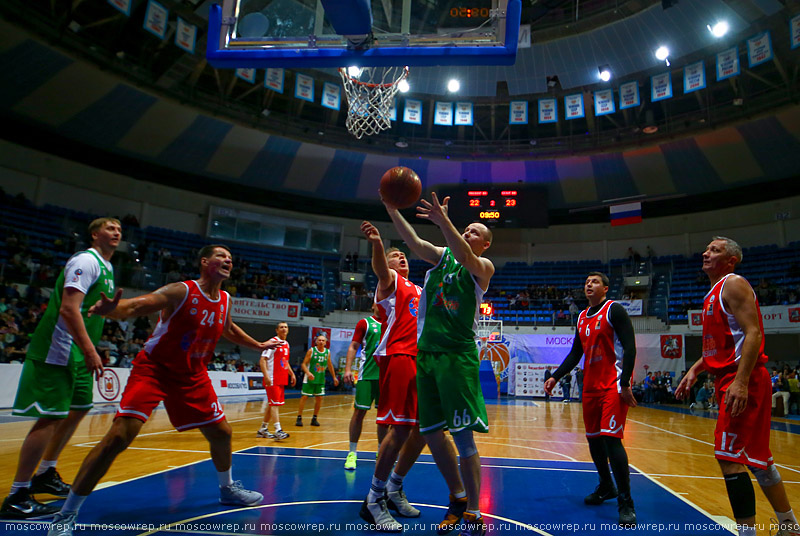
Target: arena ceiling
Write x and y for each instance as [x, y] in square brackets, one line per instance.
[86, 81]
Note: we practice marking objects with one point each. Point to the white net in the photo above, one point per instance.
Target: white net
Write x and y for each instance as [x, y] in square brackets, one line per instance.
[370, 97]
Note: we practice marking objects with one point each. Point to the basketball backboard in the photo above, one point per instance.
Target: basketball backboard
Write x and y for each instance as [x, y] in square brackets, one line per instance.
[309, 33]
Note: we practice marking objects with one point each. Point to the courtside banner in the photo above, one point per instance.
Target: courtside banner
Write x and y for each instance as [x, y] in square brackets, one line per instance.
[443, 114]
[463, 114]
[274, 79]
[626, 214]
[772, 316]
[264, 311]
[633, 307]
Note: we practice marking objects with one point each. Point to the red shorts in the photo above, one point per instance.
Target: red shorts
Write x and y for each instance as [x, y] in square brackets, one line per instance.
[189, 405]
[275, 395]
[745, 438]
[604, 414]
[398, 387]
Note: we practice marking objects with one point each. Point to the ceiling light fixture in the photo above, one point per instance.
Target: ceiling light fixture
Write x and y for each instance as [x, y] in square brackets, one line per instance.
[604, 73]
[403, 86]
[662, 54]
[453, 85]
[719, 29]
[354, 71]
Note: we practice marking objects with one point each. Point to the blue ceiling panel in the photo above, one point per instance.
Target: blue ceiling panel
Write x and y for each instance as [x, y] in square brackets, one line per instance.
[476, 172]
[544, 173]
[29, 65]
[612, 177]
[192, 150]
[340, 179]
[691, 171]
[271, 166]
[775, 149]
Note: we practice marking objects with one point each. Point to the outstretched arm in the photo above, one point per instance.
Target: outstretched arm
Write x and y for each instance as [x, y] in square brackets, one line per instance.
[237, 335]
[482, 269]
[379, 263]
[164, 299]
[421, 248]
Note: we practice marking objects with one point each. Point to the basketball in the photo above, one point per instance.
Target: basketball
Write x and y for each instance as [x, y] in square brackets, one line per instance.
[400, 187]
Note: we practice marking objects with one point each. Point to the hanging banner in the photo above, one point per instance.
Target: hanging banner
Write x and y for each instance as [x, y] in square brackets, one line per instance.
[629, 95]
[393, 110]
[331, 96]
[155, 19]
[794, 29]
[463, 114]
[759, 49]
[660, 87]
[694, 76]
[122, 5]
[274, 79]
[248, 75]
[304, 87]
[413, 112]
[728, 63]
[573, 106]
[518, 113]
[443, 114]
[185, 36]
[604, 102]
[548, 111]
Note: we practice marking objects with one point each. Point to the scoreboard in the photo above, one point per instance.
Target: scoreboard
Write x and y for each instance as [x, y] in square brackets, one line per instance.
[497, 205]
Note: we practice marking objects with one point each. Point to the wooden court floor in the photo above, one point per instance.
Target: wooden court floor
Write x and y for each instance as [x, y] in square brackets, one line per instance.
[672, 447]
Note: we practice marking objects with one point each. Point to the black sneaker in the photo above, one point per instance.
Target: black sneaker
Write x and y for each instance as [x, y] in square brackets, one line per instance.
[299, 421]
[314, 421]
[601, 494]
[50, 482]
[473, 526]
[627, 515]
[22, 506]
[454, 513]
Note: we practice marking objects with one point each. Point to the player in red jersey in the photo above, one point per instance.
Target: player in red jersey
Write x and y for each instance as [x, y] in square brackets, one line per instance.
[398, 301]
[172, 368]
[604, 336]
[277, 373]
[733, 351]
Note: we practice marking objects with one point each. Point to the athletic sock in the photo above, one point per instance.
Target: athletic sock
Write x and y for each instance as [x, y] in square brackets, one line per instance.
[265, 426]
[746, 530]
[353, 446]
[786, 517]
[460, 495]
[73, 502]
[225, 477]
[395, 482]
[376, 489]
[45, 465]
[16, 486]
[278, 427]
[476, 512]
[597, 448]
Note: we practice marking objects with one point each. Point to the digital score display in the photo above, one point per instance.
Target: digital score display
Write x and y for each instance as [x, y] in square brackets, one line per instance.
[512, 205]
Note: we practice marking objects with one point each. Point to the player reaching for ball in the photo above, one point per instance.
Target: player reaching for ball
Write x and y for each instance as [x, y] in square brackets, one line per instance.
[448, 387]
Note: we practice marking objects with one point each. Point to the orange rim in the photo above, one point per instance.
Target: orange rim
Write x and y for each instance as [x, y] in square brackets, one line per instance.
[344, 72]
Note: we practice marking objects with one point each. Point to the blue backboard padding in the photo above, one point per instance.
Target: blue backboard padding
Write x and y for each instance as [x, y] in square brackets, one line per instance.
[349, 17]
[378, 57]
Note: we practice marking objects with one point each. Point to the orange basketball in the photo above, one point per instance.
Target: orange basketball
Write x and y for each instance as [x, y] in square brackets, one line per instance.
[400, 187]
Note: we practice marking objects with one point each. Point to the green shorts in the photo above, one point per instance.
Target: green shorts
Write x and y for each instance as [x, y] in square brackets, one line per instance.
[449, 392]
[313, 389]
[51, 391]
[367, 392]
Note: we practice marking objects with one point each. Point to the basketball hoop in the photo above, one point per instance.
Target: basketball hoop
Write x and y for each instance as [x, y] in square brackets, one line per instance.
[370, 98]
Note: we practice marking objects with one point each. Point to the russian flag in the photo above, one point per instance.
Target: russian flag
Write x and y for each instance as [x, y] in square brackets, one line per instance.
[626, 214]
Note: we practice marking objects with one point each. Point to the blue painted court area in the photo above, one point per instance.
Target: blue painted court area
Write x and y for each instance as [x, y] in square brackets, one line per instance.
[309, 492]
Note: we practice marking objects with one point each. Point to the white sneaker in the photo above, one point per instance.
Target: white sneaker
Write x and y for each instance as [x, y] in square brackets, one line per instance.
[63, 524]
[784, 529]
[263, 432]
[397, 501]
[377, 514]
[236, 495]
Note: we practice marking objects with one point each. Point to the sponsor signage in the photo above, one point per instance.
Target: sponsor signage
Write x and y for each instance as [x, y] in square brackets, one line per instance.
[264, 311]
[772, 316]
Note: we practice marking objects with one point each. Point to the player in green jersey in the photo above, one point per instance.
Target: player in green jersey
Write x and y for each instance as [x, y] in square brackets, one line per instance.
[367, 335]
[314, 364]
[56, 384]
[448, 388]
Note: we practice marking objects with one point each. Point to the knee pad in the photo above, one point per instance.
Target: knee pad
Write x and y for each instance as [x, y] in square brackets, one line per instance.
[465, 443]
[741, 495]
[766, 477]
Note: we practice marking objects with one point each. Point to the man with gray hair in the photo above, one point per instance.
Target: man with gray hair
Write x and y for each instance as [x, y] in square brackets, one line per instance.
[733, 351]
